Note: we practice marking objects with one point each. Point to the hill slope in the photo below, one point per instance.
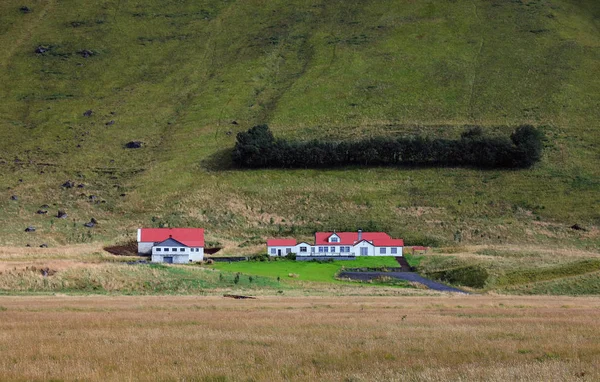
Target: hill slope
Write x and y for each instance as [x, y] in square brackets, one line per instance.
[176, 74]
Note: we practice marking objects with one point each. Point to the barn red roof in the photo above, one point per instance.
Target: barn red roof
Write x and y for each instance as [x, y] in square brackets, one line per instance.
[378, 239]
[192, 237]
[281, 242]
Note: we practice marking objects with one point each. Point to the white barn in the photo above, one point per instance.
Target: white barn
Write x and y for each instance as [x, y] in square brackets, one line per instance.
[341, 245]
[171, 245]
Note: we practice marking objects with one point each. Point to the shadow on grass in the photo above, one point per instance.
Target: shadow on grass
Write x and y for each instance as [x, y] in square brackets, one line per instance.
[219, 161]
[222, 160]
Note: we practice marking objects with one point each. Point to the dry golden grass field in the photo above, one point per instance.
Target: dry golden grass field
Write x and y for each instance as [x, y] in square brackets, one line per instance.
[410, 338]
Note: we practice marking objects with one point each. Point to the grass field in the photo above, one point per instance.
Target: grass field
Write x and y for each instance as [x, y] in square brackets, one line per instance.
[515, 269]
[176, 74]
[304, 270]
[300, 339]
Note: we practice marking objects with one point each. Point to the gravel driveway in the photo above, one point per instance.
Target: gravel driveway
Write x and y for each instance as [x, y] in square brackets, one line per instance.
[408, 276]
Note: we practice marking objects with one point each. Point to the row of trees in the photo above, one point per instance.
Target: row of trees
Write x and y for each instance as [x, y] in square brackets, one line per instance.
[257, 148]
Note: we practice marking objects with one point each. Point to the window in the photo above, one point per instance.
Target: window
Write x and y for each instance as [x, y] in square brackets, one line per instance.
[394, 251]
[382, 251]
[335, 240]
[332, 249]
[166, 249]
[345, 249]
[158, 249]
[181, 249]
[273, 251]
[364, 251]
[321, 250]
[312, 249]
[303, 249]
[288, 250]
[326, 249]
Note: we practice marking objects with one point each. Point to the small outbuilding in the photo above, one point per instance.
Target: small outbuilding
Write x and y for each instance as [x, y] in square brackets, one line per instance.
[172, 245]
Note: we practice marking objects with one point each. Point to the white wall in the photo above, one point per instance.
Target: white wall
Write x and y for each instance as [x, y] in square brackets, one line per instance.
[177, 257]
[197, 256]
[364, 244]
[188, 253]
[332, 237]
[145, 248]
[293, 248]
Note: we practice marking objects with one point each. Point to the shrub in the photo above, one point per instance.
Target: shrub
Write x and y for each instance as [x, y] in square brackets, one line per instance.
[257, 148]
[259, 257]
[321, 261]
[422, 240]
[471, 276]
[291, 256]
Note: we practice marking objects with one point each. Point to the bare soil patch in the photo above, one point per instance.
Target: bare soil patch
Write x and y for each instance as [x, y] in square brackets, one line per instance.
[126, 249]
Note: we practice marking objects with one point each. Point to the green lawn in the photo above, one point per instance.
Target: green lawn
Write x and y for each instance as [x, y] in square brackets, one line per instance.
[307, 271]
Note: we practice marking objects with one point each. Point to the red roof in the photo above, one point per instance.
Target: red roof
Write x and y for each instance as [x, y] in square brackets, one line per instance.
[281, 242]
[378, 239]
[192, 237]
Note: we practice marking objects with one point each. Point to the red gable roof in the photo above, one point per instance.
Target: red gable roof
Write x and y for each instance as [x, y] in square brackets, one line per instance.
[378, 239]
[192, 237]
[281, 242]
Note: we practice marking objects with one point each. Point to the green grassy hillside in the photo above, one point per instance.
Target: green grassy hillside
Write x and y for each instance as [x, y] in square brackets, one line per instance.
[177, 74]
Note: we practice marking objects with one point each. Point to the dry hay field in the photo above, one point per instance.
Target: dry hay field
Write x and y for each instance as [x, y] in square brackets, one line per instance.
[411, 338]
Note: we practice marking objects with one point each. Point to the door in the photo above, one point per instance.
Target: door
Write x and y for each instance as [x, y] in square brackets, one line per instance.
[279, 252]
[168, 259]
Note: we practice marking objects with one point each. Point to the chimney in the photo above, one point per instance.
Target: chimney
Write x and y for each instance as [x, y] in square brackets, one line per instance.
[170, 236]
[359, 234]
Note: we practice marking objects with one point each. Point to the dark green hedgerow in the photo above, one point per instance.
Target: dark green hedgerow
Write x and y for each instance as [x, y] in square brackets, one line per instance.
[257, 148]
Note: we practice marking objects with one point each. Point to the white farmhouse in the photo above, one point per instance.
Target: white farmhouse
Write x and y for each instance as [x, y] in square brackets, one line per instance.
[171, 245]
[338, 245]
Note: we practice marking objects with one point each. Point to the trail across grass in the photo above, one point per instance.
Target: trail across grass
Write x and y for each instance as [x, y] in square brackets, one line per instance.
[304, 270]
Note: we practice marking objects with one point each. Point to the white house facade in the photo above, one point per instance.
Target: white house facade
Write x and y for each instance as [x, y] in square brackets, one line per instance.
[172, 245]
[341, 245]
